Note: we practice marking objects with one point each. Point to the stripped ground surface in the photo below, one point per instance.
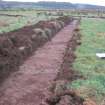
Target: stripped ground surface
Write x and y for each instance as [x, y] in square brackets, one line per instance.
[29, 85]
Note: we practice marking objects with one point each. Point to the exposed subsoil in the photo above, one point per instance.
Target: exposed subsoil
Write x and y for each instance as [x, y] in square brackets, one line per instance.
[18, 45]
[61, 95]
[31, 85]
[42, 79]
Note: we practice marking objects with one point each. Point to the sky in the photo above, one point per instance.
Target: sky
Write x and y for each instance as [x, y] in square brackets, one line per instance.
[96, 2]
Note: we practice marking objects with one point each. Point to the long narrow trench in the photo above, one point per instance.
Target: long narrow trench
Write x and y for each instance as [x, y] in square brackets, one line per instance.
[30, 85]
[61, 94]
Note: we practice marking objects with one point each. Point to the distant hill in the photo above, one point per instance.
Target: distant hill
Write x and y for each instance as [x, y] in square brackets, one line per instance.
[47, 5]
[67, 5]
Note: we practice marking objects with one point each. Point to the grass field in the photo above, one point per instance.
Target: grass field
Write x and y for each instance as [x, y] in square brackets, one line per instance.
[28, 17]
[87, 64]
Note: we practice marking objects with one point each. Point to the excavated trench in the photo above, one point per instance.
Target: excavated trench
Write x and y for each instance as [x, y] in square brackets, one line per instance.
[43, 78]
[61, 95]
[18, 45]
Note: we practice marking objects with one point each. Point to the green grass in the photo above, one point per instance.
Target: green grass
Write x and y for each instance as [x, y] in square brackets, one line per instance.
[29, 17]
[91, 67]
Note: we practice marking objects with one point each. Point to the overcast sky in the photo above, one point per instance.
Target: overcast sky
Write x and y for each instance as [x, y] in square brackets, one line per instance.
[97, 2]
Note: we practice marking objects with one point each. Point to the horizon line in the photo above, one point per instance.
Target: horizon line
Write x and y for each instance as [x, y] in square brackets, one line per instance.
[51, 1]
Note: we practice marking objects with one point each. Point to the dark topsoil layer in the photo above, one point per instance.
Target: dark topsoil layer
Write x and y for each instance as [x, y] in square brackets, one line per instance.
[17, 45]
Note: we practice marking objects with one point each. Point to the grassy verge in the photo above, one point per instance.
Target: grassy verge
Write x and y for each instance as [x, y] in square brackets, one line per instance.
[91, 67]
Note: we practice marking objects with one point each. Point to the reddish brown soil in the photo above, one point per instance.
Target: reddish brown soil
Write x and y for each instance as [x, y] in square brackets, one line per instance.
[61, 95]
[18, 45]
[30, 85]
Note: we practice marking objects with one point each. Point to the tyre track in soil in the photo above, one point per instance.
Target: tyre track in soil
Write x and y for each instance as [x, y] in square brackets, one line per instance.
[29, 85]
